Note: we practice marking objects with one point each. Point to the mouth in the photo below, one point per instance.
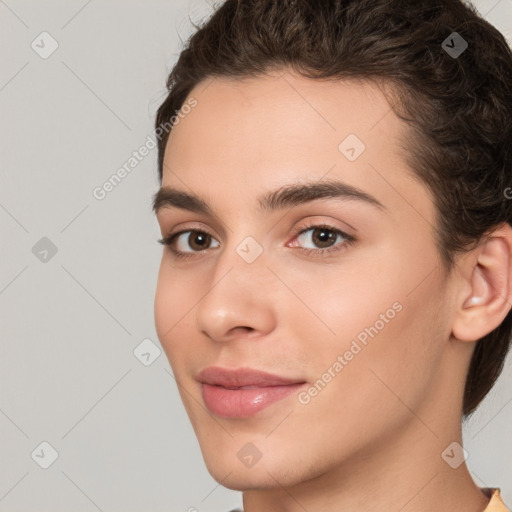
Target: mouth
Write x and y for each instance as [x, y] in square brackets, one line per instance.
[242, 387]
[244, 392]
[245, 401]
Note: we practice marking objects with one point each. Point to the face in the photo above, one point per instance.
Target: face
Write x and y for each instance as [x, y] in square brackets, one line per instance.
[337, 288]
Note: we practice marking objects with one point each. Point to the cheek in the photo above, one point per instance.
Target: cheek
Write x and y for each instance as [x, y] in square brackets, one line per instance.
[376, 327]
[173, 299]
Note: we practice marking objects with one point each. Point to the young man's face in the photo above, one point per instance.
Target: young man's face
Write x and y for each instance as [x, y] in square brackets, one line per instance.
[364, 325]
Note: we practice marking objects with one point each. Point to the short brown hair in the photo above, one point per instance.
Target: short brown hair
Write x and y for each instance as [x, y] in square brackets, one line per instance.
[458, 107]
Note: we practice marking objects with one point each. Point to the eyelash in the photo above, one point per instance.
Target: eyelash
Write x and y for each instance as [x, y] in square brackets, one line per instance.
[349, 240]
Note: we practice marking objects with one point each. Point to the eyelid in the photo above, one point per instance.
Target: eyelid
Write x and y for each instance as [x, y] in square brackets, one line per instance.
[309, 224]
[191, 226]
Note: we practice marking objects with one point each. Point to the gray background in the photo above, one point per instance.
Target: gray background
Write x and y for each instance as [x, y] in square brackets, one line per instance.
[71, 322]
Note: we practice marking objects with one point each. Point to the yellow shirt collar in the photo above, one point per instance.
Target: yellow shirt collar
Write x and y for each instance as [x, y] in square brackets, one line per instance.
[496, 504]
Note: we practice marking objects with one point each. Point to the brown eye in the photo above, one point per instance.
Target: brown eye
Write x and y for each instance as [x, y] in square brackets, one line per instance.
[324, 240]
[320, 236]
[323, 237]
[186, 243]
[198, 240]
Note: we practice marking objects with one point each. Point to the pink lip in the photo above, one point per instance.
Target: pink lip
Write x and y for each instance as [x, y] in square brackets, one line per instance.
[242, 403]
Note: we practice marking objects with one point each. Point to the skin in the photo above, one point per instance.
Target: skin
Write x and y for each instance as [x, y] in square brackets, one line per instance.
[372, 439]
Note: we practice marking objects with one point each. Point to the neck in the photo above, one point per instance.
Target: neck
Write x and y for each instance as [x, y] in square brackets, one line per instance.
[405, 473]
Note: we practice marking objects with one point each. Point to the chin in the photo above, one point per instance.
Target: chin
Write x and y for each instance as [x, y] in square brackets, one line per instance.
[244, 479]
[266, 473]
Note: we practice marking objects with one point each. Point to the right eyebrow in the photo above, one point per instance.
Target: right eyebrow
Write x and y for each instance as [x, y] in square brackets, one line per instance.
[172, 197]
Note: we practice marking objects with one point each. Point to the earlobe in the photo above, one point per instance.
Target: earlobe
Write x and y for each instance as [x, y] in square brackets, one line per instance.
[489, 299]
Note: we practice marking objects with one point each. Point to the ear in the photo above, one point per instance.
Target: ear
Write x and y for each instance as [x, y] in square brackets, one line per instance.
[485, 297]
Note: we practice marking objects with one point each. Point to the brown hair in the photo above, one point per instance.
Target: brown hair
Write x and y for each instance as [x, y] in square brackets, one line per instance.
[458, 107]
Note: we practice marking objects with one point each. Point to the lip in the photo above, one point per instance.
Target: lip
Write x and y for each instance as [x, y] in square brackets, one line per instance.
[239, 377]
[265, 389]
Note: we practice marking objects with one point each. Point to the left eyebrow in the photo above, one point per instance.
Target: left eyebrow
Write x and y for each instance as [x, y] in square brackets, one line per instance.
[284, 197]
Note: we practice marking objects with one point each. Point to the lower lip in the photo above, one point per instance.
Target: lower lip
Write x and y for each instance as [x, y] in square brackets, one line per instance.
[243, 403]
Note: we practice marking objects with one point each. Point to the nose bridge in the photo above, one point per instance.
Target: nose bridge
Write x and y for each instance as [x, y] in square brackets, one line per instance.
[235, 297]
[243, 255]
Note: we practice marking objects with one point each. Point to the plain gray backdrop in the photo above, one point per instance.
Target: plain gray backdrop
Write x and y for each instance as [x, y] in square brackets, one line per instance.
[84, 390]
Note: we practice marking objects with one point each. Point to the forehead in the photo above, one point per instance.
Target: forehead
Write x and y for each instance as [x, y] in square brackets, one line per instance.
[246, 136]
[283, 113]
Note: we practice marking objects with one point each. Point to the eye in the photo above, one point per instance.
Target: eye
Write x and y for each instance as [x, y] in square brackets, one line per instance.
[181, 241]
[327, 239]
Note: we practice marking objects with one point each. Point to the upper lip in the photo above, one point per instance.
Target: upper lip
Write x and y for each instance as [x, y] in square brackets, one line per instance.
[242, 377]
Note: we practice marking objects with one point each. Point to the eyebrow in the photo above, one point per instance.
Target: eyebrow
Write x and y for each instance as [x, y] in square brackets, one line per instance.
[284, 197]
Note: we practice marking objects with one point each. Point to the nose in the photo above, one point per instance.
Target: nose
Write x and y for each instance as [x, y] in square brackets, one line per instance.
[237, 302]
